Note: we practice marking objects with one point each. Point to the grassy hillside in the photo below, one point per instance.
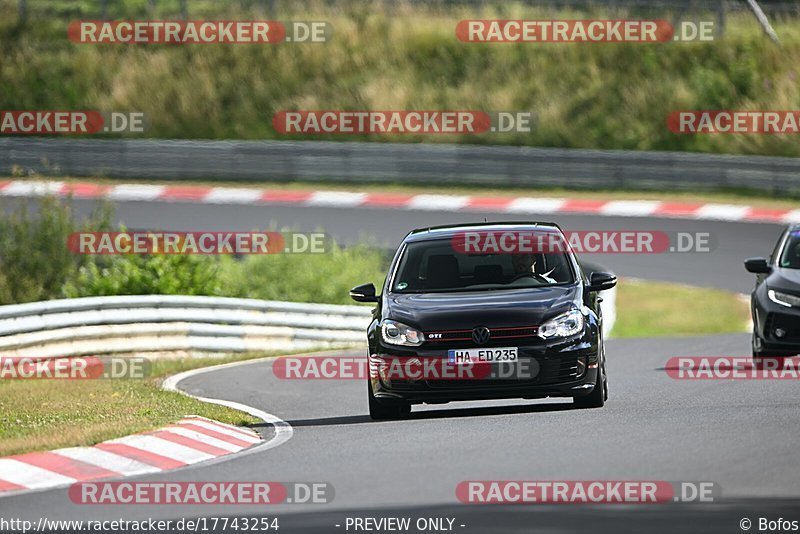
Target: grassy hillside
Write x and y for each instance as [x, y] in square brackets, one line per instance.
[610, 96]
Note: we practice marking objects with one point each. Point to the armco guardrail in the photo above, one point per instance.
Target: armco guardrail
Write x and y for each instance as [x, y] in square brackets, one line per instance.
[147, 323]
[410, 163]
[165, 323]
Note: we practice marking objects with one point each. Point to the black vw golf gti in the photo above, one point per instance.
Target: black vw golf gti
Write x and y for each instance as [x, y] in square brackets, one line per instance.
[485, 311]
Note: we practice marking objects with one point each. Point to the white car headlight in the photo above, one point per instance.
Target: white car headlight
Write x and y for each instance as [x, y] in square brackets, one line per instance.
[564, 325]
[784, 299]
[399, 334]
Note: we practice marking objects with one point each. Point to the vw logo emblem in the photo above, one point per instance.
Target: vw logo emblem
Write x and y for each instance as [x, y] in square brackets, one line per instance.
[481, 335]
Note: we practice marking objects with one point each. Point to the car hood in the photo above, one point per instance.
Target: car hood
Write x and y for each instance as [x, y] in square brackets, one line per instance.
[455, 311]
[782, 278]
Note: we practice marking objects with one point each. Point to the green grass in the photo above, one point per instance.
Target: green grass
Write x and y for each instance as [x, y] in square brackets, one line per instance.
[49, 414]
[607, 96]
[651, 309]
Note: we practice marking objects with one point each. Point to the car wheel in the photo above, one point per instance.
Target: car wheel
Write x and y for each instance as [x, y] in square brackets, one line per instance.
[386, 409]
[599, 395]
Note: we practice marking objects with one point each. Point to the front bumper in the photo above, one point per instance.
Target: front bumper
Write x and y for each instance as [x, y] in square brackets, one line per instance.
[564, 369]
[770, 319]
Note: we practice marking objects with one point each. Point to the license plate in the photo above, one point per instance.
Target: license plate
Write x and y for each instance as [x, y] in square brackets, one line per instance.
[471, 356]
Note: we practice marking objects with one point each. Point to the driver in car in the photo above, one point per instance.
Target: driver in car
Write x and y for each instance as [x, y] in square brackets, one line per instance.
[525, 263]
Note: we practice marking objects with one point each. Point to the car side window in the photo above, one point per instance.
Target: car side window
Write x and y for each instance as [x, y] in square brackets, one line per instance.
[777, 250]
[790, 257]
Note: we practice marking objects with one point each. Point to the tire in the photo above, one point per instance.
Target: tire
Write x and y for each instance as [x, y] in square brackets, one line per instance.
[599, 395]
[385, 409]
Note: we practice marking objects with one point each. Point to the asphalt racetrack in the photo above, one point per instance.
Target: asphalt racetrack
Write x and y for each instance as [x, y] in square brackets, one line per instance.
[741, 435]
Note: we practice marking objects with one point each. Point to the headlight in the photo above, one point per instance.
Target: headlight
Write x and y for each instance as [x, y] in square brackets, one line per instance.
[566, 324]
[399, 334]
[784, 299]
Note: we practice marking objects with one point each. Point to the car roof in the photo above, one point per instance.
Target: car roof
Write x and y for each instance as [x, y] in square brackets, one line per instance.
[438, 232]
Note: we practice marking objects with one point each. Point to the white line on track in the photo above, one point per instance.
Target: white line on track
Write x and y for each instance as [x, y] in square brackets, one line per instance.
[283, 430]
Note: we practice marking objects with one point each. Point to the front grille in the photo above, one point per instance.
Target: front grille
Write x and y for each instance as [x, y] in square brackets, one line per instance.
[501, 336]
[551, 371]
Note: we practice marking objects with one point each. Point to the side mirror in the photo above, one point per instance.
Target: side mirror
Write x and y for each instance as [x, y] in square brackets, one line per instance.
[601, 281]
[364, 293]
[757, 265]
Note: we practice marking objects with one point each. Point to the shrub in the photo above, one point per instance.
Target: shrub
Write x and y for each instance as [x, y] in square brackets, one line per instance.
[133, 274]
[325, 278]
[34, 260]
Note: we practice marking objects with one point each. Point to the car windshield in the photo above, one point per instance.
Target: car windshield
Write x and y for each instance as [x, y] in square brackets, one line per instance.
[436, 266]
[790, 259]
